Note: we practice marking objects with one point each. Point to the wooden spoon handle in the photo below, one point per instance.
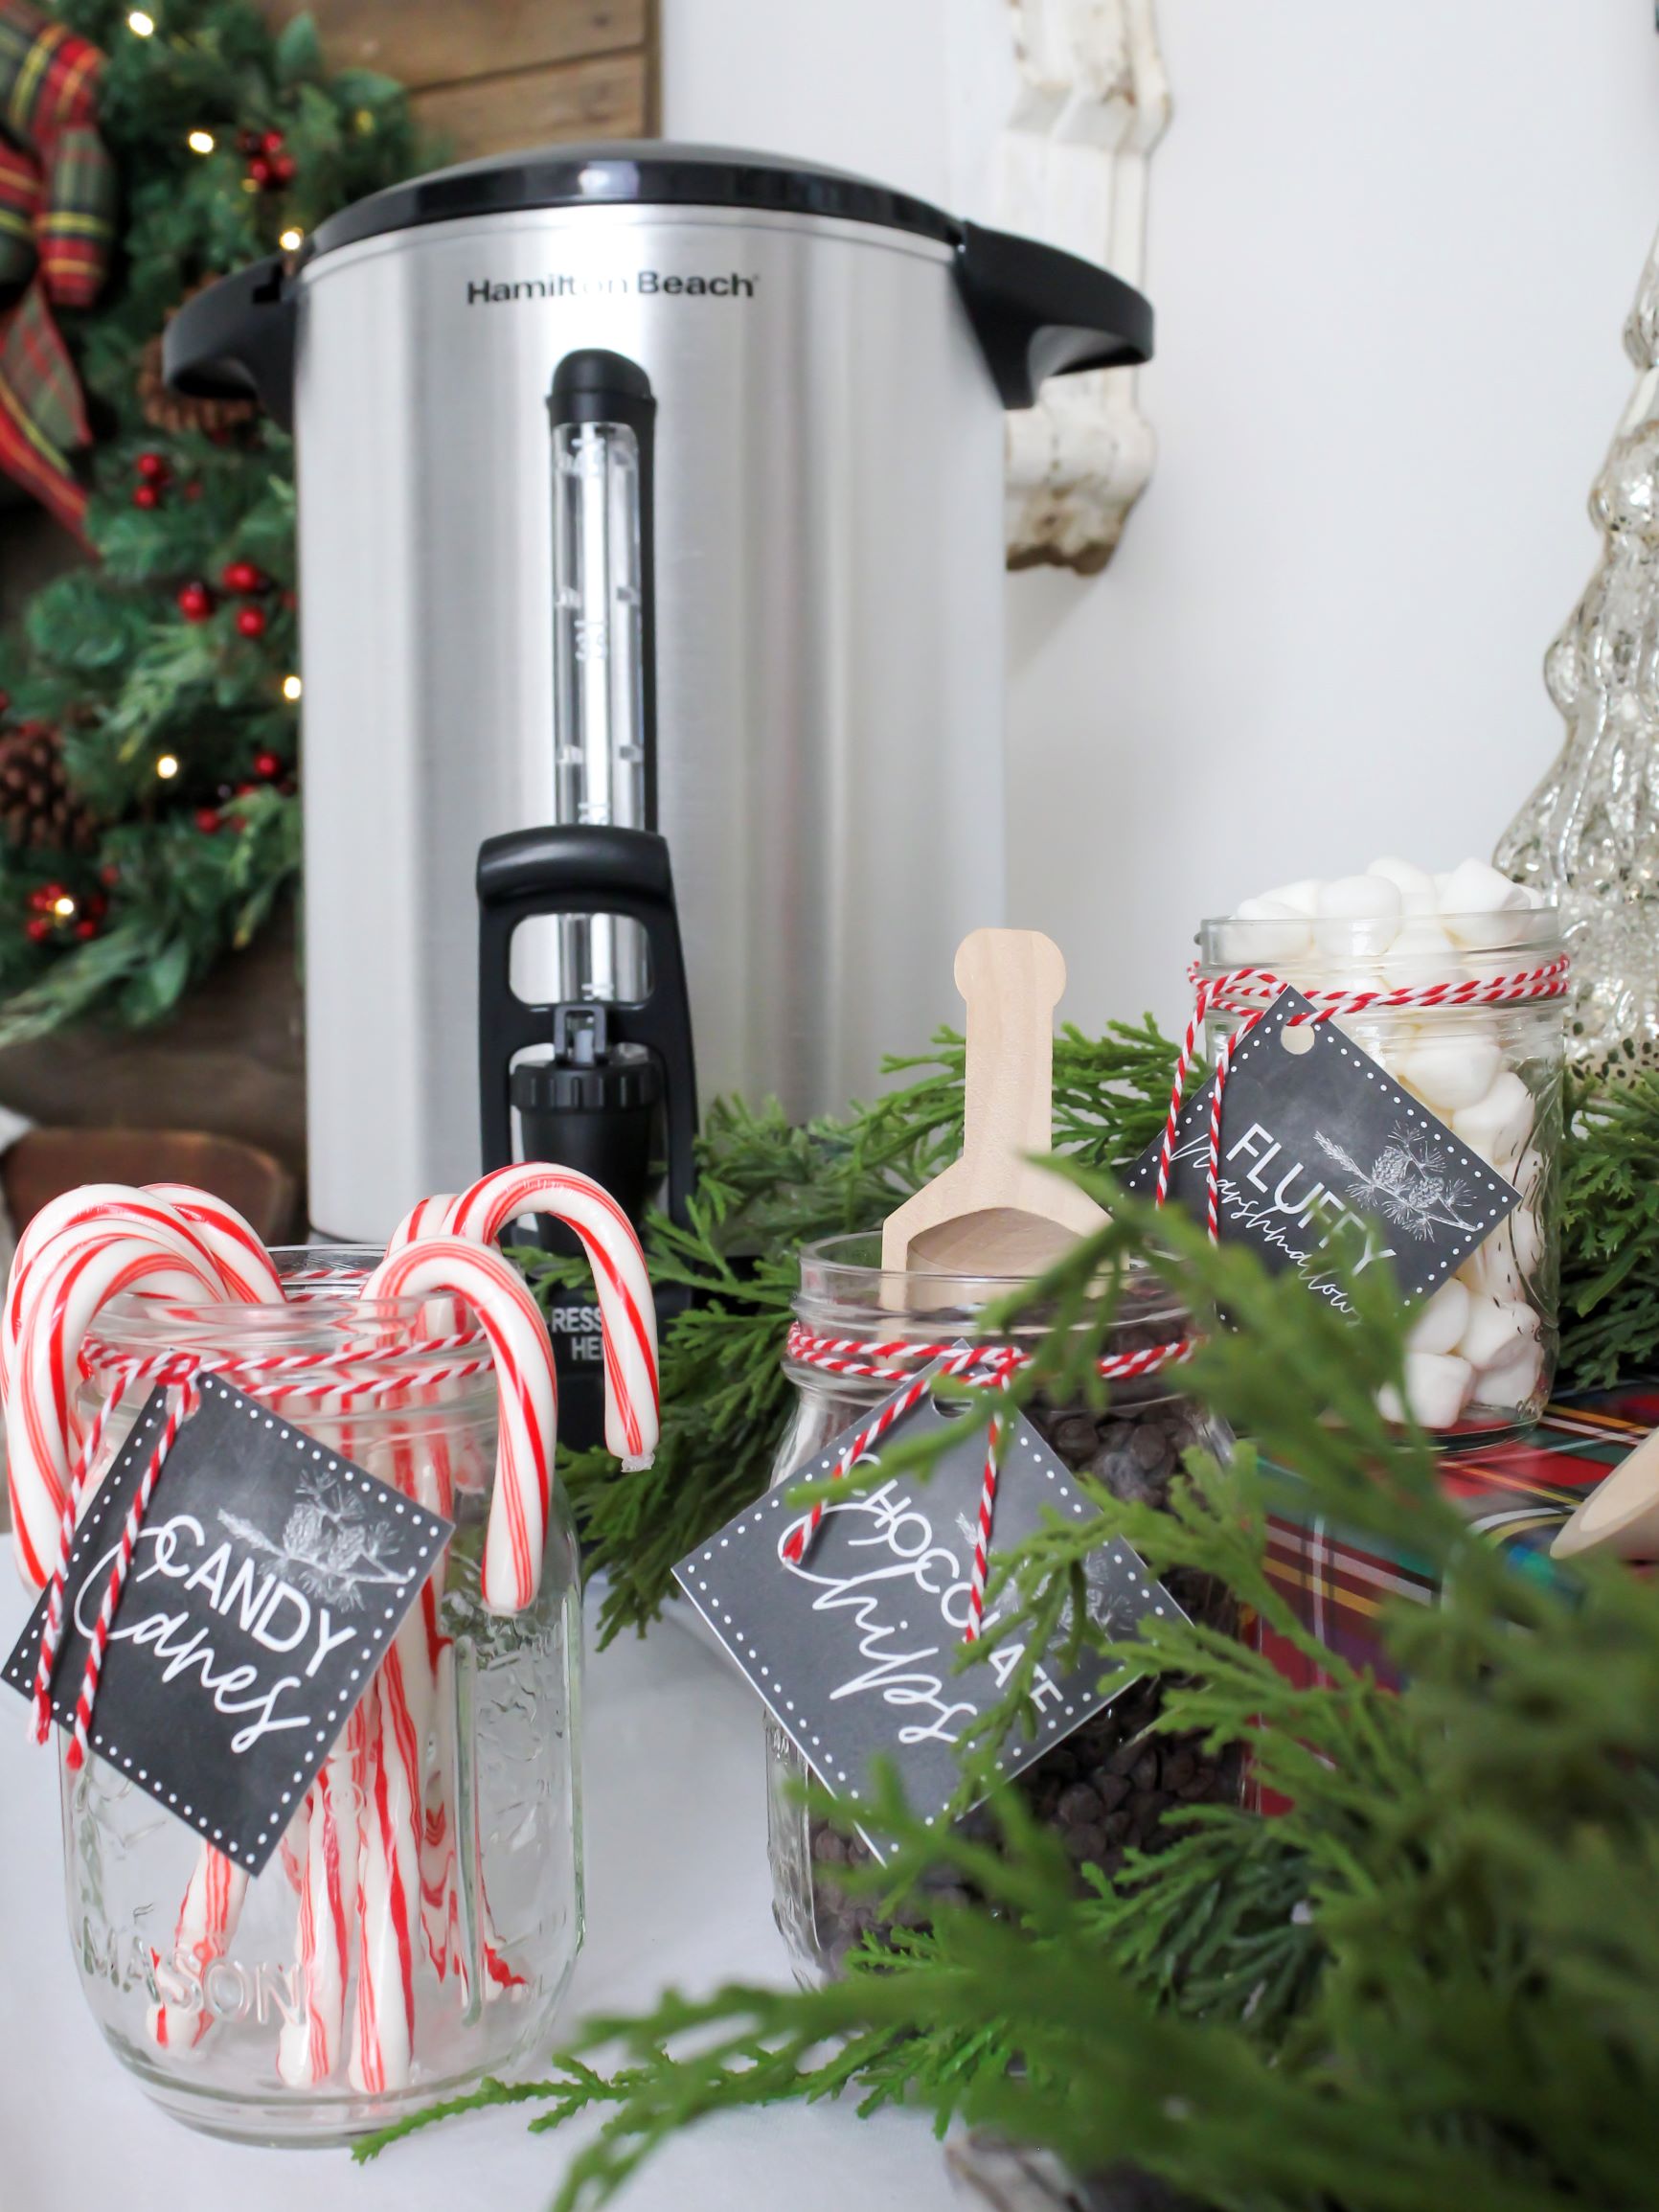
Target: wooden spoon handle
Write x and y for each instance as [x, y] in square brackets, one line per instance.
[1012, 980]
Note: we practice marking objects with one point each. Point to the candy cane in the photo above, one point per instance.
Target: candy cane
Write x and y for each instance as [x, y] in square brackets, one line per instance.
[625, 1304]
[94, 1266]
[95, 1205]
[207, 1919]
[234, 1245]
[528, 1393]
[308, 2048]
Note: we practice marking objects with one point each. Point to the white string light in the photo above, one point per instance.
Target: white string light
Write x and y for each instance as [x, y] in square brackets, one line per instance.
[291, 240]
[291, 687]
[141, 25]
[200, 141]
[167, 767]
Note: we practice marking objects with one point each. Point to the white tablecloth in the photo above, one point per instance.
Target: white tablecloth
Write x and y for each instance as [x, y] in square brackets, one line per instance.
[677, 1893]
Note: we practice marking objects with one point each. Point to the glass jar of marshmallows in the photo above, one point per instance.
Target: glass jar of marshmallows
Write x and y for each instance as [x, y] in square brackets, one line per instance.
[1482, 1350]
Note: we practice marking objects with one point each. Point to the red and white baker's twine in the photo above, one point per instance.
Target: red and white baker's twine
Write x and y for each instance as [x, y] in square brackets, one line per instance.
[375, 1852]
[1250, 992]
[897, 1359]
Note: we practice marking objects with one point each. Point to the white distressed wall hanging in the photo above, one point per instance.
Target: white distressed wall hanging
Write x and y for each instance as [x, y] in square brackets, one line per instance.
[1090, 106]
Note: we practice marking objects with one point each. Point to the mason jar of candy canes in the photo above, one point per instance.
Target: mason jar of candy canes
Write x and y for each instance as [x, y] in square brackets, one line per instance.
[1106, 1787]
[418, 1916]
[1456, 984]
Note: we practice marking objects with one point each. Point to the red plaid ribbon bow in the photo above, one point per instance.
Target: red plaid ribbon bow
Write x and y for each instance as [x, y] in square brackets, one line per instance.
[56, 225]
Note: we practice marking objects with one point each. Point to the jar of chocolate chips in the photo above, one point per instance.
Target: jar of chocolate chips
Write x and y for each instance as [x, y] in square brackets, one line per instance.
[1108, 1787]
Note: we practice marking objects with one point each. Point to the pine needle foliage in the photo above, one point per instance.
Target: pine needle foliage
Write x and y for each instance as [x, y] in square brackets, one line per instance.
[183, 868]
[1610, 1232]
[1433, 1982]
[766, 1187]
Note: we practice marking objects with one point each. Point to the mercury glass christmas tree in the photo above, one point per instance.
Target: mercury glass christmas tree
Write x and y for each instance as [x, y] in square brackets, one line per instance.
[1589, 835]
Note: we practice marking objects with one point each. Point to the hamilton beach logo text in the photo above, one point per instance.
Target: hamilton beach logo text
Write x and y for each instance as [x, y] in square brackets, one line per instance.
[644, 284]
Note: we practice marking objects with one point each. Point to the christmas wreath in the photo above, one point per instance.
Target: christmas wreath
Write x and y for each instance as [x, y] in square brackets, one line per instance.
[148, 701]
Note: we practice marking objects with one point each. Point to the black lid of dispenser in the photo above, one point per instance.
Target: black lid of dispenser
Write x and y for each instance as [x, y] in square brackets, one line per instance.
[633, 173]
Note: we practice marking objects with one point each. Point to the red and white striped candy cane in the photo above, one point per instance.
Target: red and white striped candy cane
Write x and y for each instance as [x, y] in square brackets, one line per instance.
[69, 1282]
[526, 1390]
[626, 1308]
[236, 1247]
[308, 2048]
[93, 1206]
[207, 1919]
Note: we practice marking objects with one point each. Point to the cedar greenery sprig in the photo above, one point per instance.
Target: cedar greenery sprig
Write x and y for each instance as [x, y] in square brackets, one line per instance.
[1430, 1982]
[766, 1187]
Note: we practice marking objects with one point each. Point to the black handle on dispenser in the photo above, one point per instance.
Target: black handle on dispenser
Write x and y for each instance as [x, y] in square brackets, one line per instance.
[1040, 312]
[584, 869]
[236, 341]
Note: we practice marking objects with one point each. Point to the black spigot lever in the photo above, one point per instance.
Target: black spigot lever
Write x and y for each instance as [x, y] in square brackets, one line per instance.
[584, 869]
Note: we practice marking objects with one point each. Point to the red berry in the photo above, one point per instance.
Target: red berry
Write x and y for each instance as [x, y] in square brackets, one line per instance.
[5, 701]
[96, 904]
[261, 171]
[145, 495]
[268, 765]
[85, 928]
[242, 576]
[291, 600]
[207, 819]
[248, 141]
[151, 467]
[273, 141]
[195, 602]
[37, 930]
[284, 167]
[109, 873]
[251, 621]
[50, 893]
[193, 489]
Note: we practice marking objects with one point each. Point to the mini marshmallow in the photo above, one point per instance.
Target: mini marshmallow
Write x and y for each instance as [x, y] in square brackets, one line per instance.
[1528, 1172]
[1494, 1330]
[1422, 952]
[1499, 1123]
[1449, 1072]
[1441, 1323]
[1415, 886]
[1302, 896]
[1513, 1383]
[1435, 1387]
[1358, 917]
[1490, 1270]
[1280, 931]
[1472, 901]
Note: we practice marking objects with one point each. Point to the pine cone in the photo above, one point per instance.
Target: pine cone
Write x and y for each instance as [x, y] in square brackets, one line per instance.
[172, 411]
[39, 808]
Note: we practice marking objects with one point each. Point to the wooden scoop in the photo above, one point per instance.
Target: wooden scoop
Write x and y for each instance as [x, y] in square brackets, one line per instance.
[992, 1211]
[1620, 1516]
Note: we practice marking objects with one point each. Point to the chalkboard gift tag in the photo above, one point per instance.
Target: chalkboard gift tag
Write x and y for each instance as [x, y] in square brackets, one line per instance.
[1314, 1132]
[854, 1649]
[269, 1578]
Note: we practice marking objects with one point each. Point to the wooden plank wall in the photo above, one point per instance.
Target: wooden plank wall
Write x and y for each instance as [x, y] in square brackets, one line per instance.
[488, 76]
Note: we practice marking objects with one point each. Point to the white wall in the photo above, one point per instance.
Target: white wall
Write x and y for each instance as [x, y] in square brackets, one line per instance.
[1392, 248]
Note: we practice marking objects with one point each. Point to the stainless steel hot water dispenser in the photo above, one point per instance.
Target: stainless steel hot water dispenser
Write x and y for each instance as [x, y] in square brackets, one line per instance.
[654, 485]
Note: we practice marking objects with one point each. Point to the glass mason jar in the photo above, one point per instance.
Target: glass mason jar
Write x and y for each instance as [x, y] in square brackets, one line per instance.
[1109, 1783]
[1481, 1357]
[239, 2005]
